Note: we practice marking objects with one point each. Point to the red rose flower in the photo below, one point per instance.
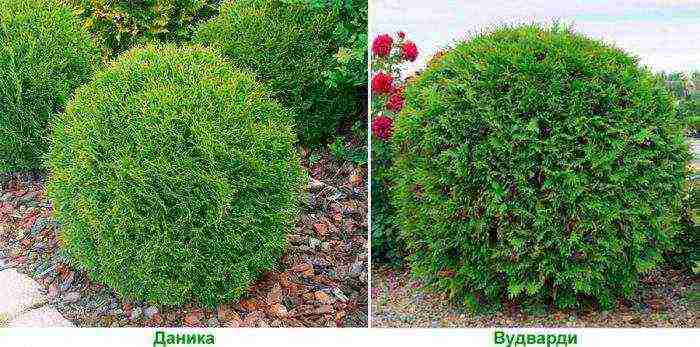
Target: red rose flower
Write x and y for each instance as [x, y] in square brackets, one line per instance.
[409, 51]
[382, 83]
[395, 102]
[402, 34]
[381, 46]
[383, 127]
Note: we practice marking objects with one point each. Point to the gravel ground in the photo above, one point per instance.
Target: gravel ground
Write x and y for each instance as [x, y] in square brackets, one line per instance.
[321, 281]
[667, 298]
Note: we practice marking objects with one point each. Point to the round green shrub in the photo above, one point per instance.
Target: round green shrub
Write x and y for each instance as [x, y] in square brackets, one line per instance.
[175, 175]
[44, 55]
[290, 46]
[537, 165]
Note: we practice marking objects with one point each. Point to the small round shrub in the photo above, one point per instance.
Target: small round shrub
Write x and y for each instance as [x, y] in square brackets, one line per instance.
[175, 176]
[120, 24]
[537, 165]
[44, 55]
[290, 46]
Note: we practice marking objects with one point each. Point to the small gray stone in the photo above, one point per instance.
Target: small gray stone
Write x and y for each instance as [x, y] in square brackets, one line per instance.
[49, 269]
[326, 247]
[3, 264]
[67, 283]
[136, 313]
[39, 225]
[314, 242]
[339, 294]
[150, 312]
[71, 297]
[41, 247]
[357, 269]
[338, 196]
[29, 196]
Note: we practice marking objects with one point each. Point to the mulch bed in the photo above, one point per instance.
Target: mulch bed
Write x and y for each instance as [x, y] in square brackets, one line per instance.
[321, 281]
[667, 298]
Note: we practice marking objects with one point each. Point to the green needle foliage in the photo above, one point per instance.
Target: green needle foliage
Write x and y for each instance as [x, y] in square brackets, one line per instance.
[538, 165]
[292, 47]
[120, 24]
[44, 55]
[175, 176]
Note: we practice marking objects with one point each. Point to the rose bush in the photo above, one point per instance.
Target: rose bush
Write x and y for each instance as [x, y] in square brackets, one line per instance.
[389, 54]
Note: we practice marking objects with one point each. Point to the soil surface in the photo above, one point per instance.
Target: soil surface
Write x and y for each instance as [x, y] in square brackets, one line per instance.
[667, 298]
[321, 280]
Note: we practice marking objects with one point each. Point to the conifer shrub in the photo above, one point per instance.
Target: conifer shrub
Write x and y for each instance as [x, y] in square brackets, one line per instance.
[350, 36]
[537, 165]
[44, 56]
[175, 176]
[291, 46]
[121, 24]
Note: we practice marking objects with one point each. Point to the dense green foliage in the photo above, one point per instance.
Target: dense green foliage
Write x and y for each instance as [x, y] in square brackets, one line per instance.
[350, 36]
[539, 165]
[44, 56]
[121, 24]
[387, 246]
[291, 46]
[174, 176]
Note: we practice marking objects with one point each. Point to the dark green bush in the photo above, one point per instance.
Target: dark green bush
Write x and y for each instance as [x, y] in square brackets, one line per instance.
[350, 36]
[539, 165]
[120, 24]
[291, 46]
[44, 56]
[174, 176]
[387, 246]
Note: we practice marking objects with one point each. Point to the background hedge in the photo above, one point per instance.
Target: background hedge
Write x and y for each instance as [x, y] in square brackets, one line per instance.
[120, 24]
[292, 47]
[44, 55]
[174, 175]
[538, 165]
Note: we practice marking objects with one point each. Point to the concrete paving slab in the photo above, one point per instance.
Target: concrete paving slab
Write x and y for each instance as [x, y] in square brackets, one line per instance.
[43, 317]
[18, 292]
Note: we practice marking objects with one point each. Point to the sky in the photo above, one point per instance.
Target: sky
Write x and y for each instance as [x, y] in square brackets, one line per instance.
[664, 34]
